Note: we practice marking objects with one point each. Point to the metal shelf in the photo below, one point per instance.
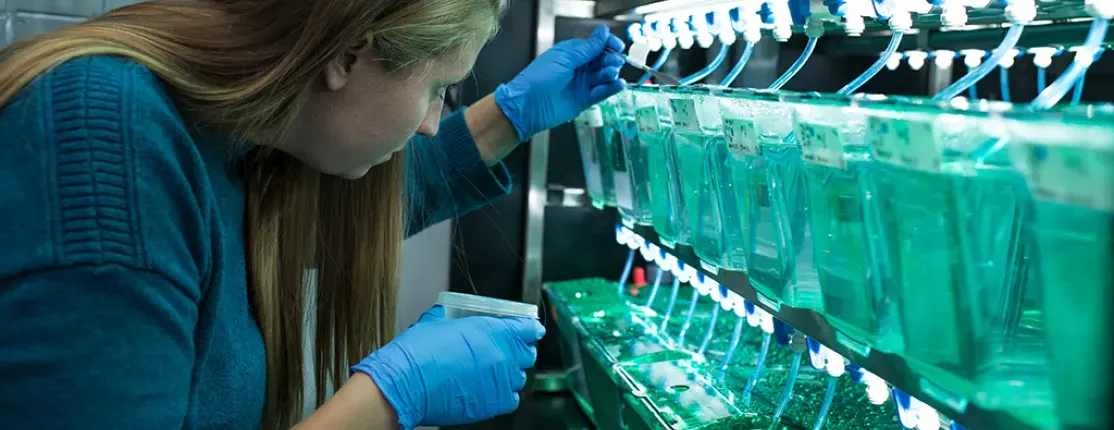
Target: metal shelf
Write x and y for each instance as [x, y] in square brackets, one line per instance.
[1058, 34]
[889, 367]
[1049, 11]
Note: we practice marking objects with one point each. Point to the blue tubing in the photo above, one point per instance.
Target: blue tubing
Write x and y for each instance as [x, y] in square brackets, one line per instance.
[654, 289]
[672, 301]
[895, 42]
[1052, 95]
[787, 393]
[688, 317]
[1042, 79]
[1012, 36]
[1004, 83]
[758, 367]
[626, 272]
[735, 336]
[796, 67]
[826, 407]
[738, 69]
[662, 58]
[724, 49]
[1077, 93]
[711, 331]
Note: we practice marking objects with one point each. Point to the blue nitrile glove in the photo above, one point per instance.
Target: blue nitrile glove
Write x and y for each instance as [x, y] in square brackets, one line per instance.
[450, 372]
[562, 82]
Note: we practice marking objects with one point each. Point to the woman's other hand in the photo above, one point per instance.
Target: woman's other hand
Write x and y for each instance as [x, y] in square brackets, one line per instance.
[448, 372]
[562, 82]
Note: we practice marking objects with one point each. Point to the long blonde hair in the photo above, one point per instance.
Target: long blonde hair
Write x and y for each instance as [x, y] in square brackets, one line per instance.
[244, 67]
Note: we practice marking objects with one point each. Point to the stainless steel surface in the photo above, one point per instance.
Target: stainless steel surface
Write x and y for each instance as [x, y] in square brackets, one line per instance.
[537, 192]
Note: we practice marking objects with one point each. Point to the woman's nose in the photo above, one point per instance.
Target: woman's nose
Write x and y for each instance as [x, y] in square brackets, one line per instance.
[432, 120]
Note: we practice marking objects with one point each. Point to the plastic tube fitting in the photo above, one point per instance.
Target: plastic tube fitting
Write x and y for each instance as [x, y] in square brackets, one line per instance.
[1022, 11]
[1100, 8]
[814, 28]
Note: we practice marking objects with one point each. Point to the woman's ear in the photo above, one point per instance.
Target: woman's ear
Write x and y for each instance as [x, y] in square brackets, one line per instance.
[339, 71]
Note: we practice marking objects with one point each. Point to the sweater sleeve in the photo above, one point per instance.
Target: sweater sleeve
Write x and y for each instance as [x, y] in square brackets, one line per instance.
[447, 176]
[101, 268]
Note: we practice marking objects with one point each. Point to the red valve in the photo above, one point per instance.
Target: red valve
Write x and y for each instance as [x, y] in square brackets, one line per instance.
[639, 275]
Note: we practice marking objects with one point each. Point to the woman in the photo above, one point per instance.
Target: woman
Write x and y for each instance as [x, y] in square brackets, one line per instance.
[172, 169]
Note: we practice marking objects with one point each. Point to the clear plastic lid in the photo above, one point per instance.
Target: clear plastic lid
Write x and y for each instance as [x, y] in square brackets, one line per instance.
[487, 305]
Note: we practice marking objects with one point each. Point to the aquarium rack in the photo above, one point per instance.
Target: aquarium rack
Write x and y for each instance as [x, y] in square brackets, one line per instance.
[890, 367]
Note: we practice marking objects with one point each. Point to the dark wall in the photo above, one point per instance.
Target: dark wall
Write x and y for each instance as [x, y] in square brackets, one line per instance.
[488, 243]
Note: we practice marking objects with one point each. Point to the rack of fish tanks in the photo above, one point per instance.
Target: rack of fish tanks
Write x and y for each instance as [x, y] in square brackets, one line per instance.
[849, 260]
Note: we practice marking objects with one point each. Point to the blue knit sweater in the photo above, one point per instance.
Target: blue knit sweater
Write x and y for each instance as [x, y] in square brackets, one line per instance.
[123, 287]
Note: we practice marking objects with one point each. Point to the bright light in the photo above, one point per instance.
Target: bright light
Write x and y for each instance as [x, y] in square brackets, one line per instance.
[1042, 56]
[894, 61]
[1008, 59]
[944, 59]
[916, 59]
[972, 58]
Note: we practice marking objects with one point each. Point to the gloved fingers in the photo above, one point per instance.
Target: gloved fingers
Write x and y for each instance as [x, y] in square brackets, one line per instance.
[436, 313]
[602, 76]
[510, 405]
[525, 355]
[528, 330]
[612, 60]
[613, 42]
[583, 52]
[518, 381]
[604, 91]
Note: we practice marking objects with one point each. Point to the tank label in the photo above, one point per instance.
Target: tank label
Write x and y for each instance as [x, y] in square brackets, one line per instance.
[648, 121]
[742, 137]
[906, 143]
[1068, 174]
[685, 118]
[592, 117]
[820, 144]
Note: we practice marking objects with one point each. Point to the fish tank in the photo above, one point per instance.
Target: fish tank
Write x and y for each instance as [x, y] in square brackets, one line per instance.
[598, 178]
[655, 130]
[636, 209]
[1067, 159]
[954, 211]
[613, 124]
[767, 179]
[698, 144]
[847, 246]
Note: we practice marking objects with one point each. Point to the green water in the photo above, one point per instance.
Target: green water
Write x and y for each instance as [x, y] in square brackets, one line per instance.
[635, 153]
[699, 194]
[606, 149]
[666, 200]
[780, 261]
[621, 196]
[847, 243]
[972, 320]
[732, 205]
[677, 389]
[680, 393]
[1076, 247]
[850, 410]
[590, 157]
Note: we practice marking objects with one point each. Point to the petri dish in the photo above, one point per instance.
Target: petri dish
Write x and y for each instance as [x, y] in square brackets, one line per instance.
[460, 305]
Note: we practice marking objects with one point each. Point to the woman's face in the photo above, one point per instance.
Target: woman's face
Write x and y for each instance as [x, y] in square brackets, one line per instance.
[360, 115]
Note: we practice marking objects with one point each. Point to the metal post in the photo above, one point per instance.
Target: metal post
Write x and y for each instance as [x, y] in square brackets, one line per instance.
[536, 176]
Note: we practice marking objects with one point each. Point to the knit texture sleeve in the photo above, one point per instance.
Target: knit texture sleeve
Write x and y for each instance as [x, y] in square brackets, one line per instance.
[103, 259]
[447, 176]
